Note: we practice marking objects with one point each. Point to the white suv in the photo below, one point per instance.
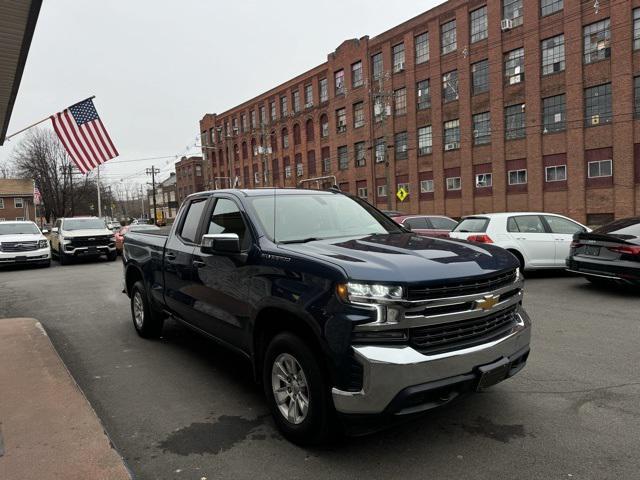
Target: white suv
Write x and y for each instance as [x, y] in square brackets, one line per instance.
[22, 242]
[538, 240]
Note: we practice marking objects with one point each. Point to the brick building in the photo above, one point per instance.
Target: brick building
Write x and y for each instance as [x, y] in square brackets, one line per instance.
[16, 200]
[474, 106]
[189, 176]
[166, 199]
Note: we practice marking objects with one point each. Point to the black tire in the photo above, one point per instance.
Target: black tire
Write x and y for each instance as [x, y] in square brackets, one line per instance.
[520, 258]
[46, 264]
[318, 425]
[150, 324]
[111, 256]
[62, 258]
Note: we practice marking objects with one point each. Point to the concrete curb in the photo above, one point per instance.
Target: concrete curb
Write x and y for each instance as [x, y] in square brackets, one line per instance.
[48, 429]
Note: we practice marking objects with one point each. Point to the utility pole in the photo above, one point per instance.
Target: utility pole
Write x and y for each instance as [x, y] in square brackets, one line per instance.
[380, 107]
[153, 171]
[142, 212]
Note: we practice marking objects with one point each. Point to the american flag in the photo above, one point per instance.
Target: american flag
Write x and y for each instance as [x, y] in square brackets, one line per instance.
[83, 135]
[37, 197]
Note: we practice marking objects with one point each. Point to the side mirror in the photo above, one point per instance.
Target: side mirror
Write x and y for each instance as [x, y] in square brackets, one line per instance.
[223, 243]
[54, 230]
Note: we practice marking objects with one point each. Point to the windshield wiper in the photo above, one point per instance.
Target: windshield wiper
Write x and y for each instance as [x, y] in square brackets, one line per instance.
[302, 240]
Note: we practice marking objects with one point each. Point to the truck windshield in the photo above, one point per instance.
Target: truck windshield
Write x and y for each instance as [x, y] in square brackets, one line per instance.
[18, 229]
[83, 223]
[306, 217]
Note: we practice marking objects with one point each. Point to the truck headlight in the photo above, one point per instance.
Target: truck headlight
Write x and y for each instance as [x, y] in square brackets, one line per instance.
[43, 243]
[365, 292]
[65, 241]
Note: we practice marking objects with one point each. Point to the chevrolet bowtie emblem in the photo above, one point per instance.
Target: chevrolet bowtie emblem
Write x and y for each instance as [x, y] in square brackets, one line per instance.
[488, 302]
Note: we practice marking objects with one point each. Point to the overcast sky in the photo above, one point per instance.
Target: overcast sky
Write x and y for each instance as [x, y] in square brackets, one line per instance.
[156, 67]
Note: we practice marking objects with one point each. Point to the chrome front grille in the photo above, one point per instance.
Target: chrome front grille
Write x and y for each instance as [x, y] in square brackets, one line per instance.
[451, 336]
[458, 289]
[19, 246]
[90, 241]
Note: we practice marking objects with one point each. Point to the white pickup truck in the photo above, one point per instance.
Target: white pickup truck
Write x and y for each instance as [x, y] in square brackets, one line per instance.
[82, 237]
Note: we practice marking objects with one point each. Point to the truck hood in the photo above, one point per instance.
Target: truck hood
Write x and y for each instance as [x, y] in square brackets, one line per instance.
[31, 237]
[86, 233]
[407, 258]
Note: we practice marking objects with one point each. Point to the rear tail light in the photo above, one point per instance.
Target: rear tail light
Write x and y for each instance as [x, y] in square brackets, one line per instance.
[626, 250]
[480, 238]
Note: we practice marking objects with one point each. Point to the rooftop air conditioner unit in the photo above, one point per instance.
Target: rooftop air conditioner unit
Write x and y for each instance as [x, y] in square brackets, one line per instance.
[506, 24]
[451, 146]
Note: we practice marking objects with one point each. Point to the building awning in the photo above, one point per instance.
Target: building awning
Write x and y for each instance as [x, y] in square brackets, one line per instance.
[17, 23]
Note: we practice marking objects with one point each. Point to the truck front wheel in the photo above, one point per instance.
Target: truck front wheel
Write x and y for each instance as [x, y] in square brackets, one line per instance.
[297, 391]
[147, 323]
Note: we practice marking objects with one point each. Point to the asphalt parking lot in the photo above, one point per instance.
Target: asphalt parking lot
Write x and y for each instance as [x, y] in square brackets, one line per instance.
[184, 408]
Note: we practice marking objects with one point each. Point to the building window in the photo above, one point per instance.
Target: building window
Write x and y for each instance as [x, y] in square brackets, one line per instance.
[377, 66]
[597, 105]
[452, 135]
[400, 101]
[514, 119]
[597, 41]
[285, 138]
[450, 86]
[358, 115]
[243, 125]
[272, 108]
[341, 120]
[448, 37]
[343, 158]
[308, 96]
[425, 140]
[557, 173]
[382, 190]
[547, 7]
[363, 192]
[326, 159]
[600, 168]
[252, 121]
[1, 203]
[422, 48]
[324, 90]
[512, 10]
[18, 203]
[324, 126]
[514, 66]
[287, 171]
[360, 151]
[636, 29]
[424, 95]
[517, 177]
[553, 114]
[380, 149]
[426, 186]
[284, 106]
[403, 185]
[356, 75]
[19, 219]
[402, 145]
[263, 116]
[484, 180]
[480, 76]
[553, 55]
[636, 96]
[482, 128]
[398, 58]
[297, 137]
[339, 82]
[295, 100]
[454, 183]
[479, 24]
[299, 169]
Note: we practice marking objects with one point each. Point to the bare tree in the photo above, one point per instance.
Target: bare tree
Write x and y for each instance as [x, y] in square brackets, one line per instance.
[41, 156]
[6, 169]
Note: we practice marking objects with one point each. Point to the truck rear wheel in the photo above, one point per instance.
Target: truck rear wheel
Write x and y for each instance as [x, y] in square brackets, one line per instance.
[147, 323]
[297, 391]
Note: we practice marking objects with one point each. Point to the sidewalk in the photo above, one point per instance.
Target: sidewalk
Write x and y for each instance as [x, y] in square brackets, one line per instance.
[48, 430]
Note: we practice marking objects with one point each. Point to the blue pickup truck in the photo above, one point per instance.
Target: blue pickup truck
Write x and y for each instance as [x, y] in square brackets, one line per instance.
[342, 312]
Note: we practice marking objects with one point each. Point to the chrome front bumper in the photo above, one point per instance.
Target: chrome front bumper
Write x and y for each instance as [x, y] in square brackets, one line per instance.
[39, 255]
[98, 250]
[388, 370]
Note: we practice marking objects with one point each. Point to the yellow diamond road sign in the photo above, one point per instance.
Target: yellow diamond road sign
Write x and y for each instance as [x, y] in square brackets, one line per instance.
[402, 194]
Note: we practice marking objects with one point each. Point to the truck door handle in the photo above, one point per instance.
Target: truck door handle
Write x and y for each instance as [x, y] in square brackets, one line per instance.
[198, 264]
[170, 256]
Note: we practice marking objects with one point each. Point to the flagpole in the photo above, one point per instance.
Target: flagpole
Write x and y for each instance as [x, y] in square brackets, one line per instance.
[43, 120]
[99, 202]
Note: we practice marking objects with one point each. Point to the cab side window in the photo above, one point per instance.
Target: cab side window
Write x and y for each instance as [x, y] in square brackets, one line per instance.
[416, 223]
[227, 218]
[189, 228]
[562, 225]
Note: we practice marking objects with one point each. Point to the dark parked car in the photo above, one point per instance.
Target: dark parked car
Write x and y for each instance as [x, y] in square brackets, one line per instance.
[338, 309]
[427, 225]
[608, 254]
